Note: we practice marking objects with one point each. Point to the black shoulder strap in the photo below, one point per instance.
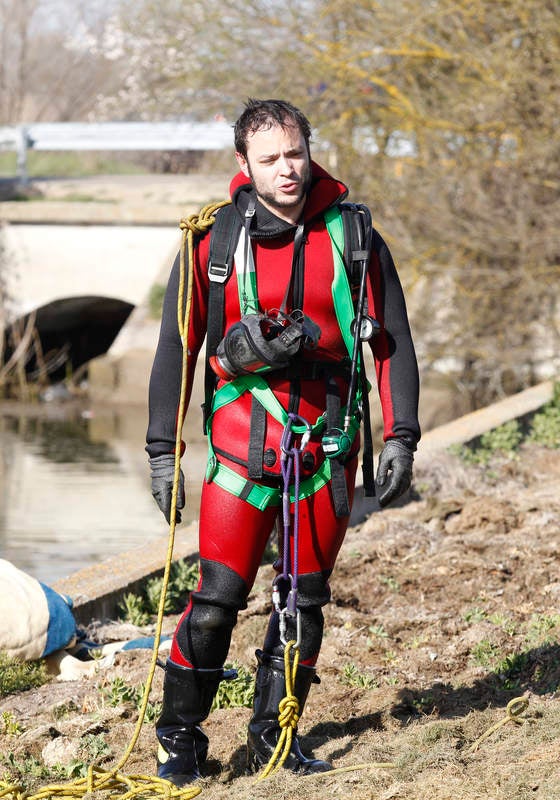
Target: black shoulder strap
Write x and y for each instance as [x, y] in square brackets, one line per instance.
[356, 219]
[223, 241]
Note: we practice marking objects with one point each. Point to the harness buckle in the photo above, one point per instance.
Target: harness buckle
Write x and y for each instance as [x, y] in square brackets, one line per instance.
[218, 272]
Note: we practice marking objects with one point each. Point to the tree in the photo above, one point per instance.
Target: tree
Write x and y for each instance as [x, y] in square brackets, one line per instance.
[441, 114]
[52, 63]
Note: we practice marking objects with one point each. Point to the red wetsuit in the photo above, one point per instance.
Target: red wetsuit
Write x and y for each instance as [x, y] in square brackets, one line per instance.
[233, 534]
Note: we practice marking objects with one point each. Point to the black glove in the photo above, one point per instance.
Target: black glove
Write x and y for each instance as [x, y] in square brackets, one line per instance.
[163, 471]
[394, 472]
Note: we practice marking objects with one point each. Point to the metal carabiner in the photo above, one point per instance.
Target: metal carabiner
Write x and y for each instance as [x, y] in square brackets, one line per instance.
[282, 627]
[286, 439]
[276, 590]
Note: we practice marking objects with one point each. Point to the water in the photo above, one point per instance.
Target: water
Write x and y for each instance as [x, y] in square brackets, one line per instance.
[75, 488]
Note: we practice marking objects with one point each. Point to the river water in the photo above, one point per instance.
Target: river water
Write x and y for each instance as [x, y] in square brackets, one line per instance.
[75, 488]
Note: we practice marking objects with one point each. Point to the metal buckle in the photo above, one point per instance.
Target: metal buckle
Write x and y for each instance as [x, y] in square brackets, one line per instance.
[217, 272]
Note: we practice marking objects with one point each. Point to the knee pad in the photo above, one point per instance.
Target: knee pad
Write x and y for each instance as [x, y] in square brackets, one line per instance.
[314, 589]
[220, 586]
[204, 633]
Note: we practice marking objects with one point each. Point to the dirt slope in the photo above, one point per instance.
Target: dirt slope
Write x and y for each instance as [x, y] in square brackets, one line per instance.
[443, 611]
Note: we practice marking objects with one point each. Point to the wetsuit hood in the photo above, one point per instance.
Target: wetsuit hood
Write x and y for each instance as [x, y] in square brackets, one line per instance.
[323, 193]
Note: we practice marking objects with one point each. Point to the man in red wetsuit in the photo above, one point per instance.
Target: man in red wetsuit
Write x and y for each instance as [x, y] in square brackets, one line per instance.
[286, 207]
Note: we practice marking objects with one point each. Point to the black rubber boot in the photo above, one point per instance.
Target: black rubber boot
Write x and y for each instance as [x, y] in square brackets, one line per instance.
[187, 699]
[264, 729]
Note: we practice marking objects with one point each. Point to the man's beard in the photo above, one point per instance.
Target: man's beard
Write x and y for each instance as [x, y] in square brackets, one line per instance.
[284, 202]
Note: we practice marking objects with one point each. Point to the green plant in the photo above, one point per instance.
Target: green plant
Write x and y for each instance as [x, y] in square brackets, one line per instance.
[503, 440]
[237, 691]
[133, 610]
[545, 425]
[183, 578]
[510, 669]
[152, 595]
[475, 615]
[541, 626]
[93, 749]
[120, 693]
[484, 653]
[10, 725]
[390, 582]
[352, 676]
[507, 624]
[139, 608]
[62, 710]
[17, 676]
[378, 631]
[26, 770]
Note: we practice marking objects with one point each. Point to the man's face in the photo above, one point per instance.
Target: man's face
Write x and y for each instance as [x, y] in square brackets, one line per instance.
[278, 166]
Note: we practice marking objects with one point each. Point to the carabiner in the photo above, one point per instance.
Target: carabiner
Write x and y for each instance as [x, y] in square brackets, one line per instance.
[286, 439]
[282, 627]
[276, 590]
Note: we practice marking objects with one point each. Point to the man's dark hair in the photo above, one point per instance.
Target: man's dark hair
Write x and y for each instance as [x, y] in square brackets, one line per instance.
[259, 114]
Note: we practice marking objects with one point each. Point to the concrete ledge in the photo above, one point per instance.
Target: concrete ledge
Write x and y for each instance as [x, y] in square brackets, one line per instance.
[476, 423]
[93, 213]
[97, 590]
[460, 431]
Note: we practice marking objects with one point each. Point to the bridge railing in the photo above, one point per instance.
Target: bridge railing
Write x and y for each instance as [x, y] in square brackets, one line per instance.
[70, 136]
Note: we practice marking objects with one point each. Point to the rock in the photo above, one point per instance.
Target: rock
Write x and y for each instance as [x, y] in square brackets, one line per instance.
[60, 751]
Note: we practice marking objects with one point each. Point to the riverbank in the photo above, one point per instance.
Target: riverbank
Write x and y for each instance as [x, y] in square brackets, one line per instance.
[443, 611]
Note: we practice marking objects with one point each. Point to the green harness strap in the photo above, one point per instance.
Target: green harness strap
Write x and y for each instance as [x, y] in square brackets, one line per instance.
[340, 287]
[258, 495]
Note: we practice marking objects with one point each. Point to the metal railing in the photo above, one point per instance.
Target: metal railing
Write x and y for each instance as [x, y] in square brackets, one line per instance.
[184, 136]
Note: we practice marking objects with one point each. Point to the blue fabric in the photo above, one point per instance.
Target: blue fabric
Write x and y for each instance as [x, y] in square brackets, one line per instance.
[146, 642]
[62, 625]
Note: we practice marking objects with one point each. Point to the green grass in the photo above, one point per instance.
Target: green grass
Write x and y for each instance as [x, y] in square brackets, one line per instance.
[17, 676]
[351, 676]
[504, 441]
[72, 165]
[235, 692]
[139, 609]
[121, 693]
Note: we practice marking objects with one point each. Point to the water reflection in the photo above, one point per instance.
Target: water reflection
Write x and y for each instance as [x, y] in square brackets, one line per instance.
[75, 489]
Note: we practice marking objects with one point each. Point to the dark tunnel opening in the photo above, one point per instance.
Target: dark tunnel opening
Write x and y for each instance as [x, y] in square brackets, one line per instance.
[68, 334]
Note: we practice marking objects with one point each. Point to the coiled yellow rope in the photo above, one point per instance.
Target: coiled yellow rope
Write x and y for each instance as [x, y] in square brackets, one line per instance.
[98, 780]
[514, 709]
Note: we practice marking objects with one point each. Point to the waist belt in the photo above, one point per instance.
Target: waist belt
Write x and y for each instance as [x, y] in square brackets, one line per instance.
[261, 496]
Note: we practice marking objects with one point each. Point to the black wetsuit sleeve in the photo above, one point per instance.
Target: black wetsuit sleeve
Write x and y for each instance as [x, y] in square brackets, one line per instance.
[393, 349]
[165, 378]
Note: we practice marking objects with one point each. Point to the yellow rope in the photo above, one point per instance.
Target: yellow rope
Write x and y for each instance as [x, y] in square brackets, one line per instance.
[288, 718]
[288, 714]
[514, 709]
[97, 779]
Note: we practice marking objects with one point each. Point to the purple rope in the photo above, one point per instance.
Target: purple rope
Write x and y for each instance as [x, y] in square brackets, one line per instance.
[290, 460]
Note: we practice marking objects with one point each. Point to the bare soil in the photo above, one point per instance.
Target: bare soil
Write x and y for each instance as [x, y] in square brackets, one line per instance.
[443, 611]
